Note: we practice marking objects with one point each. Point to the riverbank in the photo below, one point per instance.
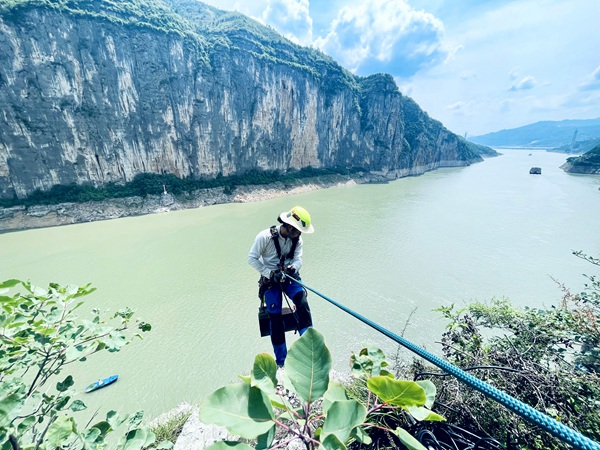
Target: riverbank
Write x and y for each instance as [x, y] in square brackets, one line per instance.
[18, 218]
[40, 216]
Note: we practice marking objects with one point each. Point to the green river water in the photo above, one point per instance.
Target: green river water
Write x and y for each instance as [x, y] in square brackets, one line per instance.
[389, 251]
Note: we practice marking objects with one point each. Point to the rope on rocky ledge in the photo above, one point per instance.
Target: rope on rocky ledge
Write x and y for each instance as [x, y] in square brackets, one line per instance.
[557, 429]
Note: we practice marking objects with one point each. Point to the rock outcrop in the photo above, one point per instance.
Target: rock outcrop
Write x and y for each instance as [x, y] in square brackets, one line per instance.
[588, 163]
[94, 92]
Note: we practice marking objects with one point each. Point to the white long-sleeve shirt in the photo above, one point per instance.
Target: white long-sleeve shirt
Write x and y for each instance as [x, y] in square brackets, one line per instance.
[263, 254]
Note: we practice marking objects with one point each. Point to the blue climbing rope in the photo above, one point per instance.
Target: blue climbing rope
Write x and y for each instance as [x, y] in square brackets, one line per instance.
[557, 429]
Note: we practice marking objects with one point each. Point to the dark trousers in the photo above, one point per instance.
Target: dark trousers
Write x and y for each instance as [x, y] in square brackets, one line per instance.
[274, 301]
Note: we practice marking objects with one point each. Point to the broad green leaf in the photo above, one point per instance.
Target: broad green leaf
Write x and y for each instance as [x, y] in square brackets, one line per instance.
[430, 391]
[115, 419]
[331, 442]
[335, 391]
[420, 413]
[308, 365]
[135, 419]
[264, 441]
[225, 445]
[378, 357]
[9, 283]
[138, 439]
[10, 406]
[408, 440]
[104, 427]
[397, 392]
[280, 402]
[342, 417]
[62, 386]
[385, 373]
[264, 373]
[60, 431]
[77, 405]
[92, 435]
[360, 435]
[244, 410]
[369, 361]
[25, 425]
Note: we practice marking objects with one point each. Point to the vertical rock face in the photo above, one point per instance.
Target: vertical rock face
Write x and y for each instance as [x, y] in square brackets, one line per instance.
[92, 95]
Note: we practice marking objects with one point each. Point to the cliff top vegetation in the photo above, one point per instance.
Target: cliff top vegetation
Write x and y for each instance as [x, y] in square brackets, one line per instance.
[589, 158]
[213, 29]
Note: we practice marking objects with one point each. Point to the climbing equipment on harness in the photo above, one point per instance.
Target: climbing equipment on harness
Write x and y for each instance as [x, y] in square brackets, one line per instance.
[290, 321]
[299, 218]
[290, 254]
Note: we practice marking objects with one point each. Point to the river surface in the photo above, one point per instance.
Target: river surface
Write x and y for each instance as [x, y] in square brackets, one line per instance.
[392, 252]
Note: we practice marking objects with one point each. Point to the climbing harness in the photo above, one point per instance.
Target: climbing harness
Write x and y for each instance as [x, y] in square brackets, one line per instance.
[557, 429]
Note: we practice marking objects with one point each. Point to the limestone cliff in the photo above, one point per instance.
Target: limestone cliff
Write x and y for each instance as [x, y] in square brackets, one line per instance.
[98, 91]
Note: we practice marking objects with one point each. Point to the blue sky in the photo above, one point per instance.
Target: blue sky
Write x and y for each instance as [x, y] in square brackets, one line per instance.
[477, 66]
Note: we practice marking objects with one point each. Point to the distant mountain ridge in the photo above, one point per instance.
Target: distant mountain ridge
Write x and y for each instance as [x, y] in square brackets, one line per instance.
[546, 134]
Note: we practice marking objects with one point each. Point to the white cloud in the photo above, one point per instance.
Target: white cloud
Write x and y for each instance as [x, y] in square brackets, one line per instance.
[458, 106]
[527, 82]
[291, 18]
[592, 82]
[385, 36]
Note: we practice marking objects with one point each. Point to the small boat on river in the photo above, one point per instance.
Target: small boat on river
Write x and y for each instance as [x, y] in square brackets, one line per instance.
[101, 383]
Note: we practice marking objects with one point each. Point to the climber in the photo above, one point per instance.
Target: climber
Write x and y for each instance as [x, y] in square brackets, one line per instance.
[277, 252]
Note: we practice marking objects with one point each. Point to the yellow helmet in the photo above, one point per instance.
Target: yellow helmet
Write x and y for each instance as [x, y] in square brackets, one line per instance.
[299, 218]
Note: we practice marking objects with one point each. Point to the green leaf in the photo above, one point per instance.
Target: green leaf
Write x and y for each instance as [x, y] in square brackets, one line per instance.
[114, 419]
[135, 419]
[342, 417]
[104, 427]
[335, 391]
[92, 435]
[244, 410]
[420, 413]
[360, 435]
[9, 283]
[308, 365]
[25, 425]
[60, 431]
[77, 405]
[397, 392]
[225, 445]
[408, 440]
[10, 406]
[138, 439]
[264, 373]
[65, 385]
[264, 441]
[430, 391]
[331, 442]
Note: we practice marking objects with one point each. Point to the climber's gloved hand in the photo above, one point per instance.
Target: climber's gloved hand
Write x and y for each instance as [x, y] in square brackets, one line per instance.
[291, 271]
[277, 275]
